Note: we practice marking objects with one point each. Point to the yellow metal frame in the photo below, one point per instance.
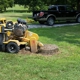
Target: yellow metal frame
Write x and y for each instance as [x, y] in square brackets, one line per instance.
[3, 20]
[29, 37]
[0, 29]
[15, 41]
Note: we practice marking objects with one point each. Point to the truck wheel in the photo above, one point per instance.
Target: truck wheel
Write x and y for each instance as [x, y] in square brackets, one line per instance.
[12, 47]
[9, 24]
[41, 22]
[50, 21]
[78, 19]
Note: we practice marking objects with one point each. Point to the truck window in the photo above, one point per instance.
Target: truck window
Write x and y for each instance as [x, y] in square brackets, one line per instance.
[52, 8]
[69, 8]
[61, 8]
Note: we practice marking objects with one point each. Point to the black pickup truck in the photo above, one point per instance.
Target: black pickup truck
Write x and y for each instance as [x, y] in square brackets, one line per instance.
[56, 13]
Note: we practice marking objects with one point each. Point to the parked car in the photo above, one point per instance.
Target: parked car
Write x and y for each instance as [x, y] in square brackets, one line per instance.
[56, 13]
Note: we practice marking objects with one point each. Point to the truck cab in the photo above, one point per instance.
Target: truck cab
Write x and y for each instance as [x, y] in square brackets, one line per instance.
[57, 13]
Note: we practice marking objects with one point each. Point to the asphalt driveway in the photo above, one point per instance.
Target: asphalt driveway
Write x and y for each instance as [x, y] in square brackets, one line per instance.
[55, 25]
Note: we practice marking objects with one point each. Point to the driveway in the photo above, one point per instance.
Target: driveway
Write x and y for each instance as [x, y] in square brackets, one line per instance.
[55, 25]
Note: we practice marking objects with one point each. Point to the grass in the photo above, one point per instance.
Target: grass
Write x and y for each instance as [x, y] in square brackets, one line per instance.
[17, 12]
[17, 8]
[62, 66]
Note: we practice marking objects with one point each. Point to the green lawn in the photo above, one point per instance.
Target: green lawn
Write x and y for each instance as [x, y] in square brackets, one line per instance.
[62, 66]
[17, 12]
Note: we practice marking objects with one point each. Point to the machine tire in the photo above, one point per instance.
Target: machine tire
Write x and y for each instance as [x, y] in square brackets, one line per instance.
[12, 47]
[9, 25]
[50, 21]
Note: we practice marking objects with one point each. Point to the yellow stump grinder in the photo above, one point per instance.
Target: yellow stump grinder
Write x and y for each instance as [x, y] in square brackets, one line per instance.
[15, 35]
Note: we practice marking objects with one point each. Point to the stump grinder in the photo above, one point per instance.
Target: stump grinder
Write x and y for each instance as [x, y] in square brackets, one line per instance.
[15, 35]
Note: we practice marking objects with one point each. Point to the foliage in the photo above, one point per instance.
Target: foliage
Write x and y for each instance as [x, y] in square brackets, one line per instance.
[4, 4]
[40, 4]
[37, 4]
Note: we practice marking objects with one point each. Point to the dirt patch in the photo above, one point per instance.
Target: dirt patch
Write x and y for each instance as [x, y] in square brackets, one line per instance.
[24, 51]
[47, 49]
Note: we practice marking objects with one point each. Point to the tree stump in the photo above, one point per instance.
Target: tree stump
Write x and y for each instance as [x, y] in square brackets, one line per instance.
[48, 49]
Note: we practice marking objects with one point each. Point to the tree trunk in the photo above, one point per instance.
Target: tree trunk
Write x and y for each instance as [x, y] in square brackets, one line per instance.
[4, 9]
[78, 5]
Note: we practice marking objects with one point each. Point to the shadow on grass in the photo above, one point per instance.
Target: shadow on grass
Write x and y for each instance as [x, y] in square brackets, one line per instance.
[17, 11]
[70, 34]
[22, 16]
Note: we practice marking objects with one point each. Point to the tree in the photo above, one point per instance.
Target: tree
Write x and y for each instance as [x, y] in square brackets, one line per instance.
[5, 4]
[41, 4]
[32, 4]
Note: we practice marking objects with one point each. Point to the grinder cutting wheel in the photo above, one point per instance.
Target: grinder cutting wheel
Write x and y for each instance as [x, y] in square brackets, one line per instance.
[13, 38]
